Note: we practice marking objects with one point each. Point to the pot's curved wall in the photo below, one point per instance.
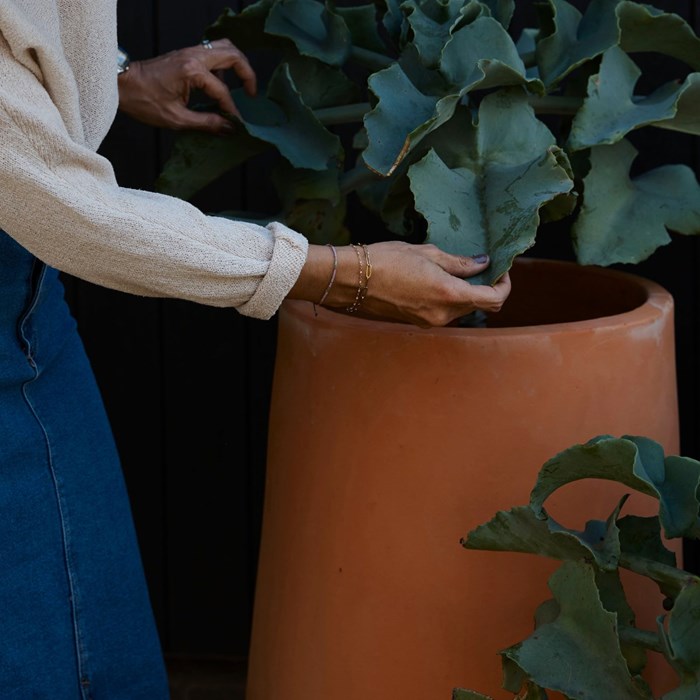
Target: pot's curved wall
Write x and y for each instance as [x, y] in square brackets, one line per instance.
[387, 444]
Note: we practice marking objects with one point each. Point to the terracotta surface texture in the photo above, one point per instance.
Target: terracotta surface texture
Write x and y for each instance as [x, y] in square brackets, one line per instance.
[388, 443]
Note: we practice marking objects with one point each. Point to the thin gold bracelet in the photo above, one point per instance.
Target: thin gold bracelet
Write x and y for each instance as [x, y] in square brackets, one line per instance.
[330, 283]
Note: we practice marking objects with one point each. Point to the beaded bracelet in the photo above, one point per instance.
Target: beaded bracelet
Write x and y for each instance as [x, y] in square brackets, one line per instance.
[364, 275]
[333, 273]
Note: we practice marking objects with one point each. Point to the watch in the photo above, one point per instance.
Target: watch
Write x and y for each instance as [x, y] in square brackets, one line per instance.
[123, 61]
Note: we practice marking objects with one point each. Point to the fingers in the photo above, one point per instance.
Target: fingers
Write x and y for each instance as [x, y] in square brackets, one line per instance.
[491, 298]
[457, 265]
[217, 90]
[223, 56]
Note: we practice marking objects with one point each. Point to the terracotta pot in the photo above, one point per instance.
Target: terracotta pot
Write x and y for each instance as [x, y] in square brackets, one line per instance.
[388, 443]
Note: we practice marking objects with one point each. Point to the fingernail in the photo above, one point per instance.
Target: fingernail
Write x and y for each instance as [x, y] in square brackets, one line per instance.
[480, 258]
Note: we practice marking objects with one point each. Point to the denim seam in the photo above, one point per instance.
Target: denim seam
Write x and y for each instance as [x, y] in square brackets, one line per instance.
[81, 655]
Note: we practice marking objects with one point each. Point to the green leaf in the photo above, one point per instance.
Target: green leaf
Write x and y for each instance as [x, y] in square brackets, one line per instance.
[462, 694]
[401, 118]
[392, 18]
[514, 678]
[647, 28]
[483, 55]
[684, 636]
[488, 198]
[561, 654]
[393, 200]
[198, 159]
[610, 111]
[642, 537]
[570, 39]
[686, 118]
[315, 30]
[519, 530]
[612, 596]
[502, 10]
[321, 85]
[637, 462]
[625, 220]
[312, 202]
[298, 183]
[361, 22]
[283, 120]
[431, 22]
[247, 28]
[601, 538]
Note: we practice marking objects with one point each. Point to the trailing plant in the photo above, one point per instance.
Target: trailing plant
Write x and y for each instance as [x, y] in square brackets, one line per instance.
[454, 130]
[586, 644]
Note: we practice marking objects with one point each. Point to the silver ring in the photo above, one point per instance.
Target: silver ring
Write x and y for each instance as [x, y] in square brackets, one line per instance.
[207, 44]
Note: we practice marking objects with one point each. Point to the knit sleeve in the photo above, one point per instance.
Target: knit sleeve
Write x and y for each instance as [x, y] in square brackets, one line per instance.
[61, 202]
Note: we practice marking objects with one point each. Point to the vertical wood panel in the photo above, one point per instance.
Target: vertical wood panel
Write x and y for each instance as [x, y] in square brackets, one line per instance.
[208, 415]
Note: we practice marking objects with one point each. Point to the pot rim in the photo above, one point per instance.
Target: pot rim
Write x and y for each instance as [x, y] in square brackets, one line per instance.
[658, 301]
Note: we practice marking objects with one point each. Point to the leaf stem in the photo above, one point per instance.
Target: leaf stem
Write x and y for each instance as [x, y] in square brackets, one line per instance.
[370, 59]
[353, 179]
[551, 104]
[641, 638]
[342, 114]
[661, 573]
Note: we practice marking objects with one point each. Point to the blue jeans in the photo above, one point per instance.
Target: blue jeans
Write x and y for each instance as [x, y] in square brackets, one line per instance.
[75, 617]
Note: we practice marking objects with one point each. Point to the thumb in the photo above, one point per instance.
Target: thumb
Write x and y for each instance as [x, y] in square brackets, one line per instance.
[462, 265]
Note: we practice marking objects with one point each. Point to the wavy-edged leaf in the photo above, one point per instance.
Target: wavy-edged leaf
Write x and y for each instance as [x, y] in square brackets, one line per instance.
[647, 28]
[560, 655]
[392, 18]
[431, 22]
[687, 117]
[502, 10]
[614, 600]
[298, 183]
[401, 118]
[624, 220]
[198, 159]
[483, 55]
[637, 462]
[321, 85]
[641, 537]
[570, 39]
[520, 530]
[515, 680]
[684, 635]
[315, 30]
[312, 203]
[506, 168]
[610, 110]
[361, 22]
[246, 29]
[462, 694]
[283, 120]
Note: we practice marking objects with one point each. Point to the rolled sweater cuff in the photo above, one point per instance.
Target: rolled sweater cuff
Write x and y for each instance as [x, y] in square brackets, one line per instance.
[288, 257]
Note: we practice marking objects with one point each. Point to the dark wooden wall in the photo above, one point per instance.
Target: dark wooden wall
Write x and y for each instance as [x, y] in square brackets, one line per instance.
[187, 386]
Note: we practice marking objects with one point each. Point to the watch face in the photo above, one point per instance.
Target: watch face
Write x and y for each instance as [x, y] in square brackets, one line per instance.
[122, 61]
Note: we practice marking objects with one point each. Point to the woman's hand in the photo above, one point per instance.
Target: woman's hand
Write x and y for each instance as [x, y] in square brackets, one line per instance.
[157, 91]
[418, 284]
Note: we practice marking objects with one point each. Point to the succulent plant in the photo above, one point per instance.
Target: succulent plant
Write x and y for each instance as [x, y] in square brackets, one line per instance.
[454, 130]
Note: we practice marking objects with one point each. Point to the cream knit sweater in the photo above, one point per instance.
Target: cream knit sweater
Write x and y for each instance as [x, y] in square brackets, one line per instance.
[60, 200]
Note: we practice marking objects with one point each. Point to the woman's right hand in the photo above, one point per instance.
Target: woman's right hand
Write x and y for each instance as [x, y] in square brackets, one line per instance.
[417, 284]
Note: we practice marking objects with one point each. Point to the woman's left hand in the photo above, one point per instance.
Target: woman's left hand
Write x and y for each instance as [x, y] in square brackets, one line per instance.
[157, 91]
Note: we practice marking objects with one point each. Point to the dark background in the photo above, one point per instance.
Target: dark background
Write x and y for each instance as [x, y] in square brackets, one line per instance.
[187, 386]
